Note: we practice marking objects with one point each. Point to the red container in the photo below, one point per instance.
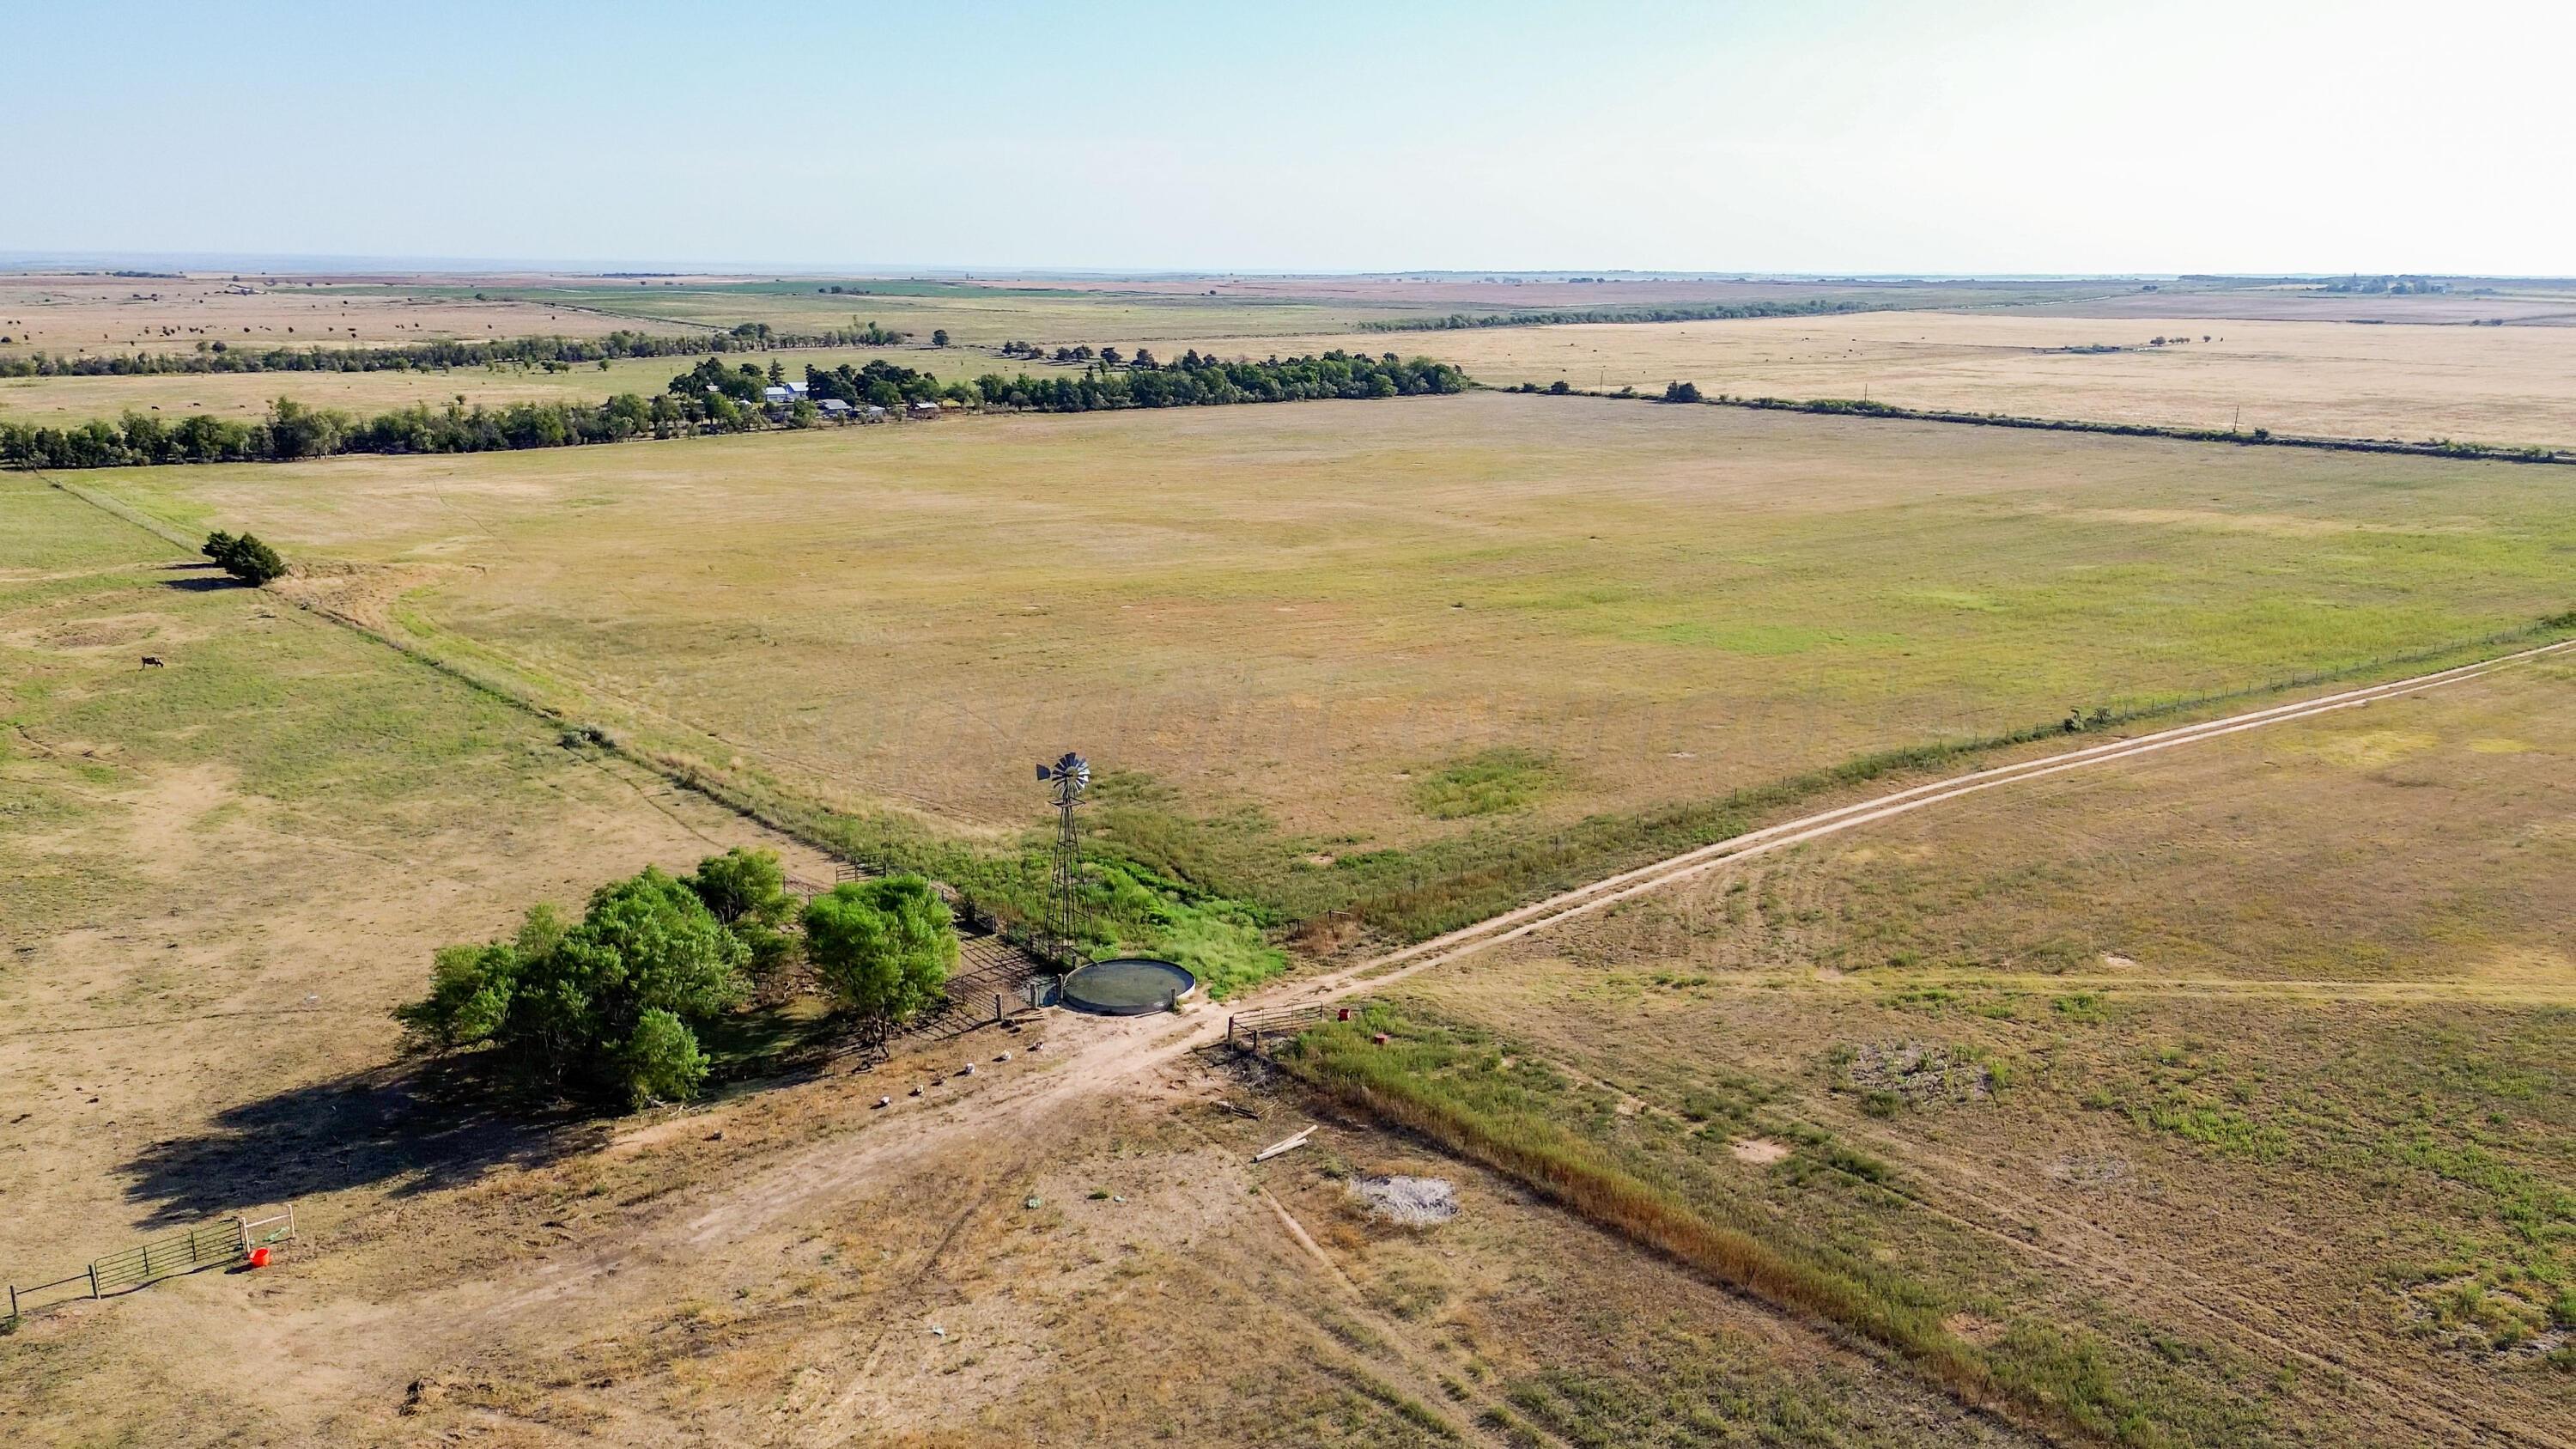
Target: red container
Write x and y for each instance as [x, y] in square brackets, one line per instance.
[259, 1257]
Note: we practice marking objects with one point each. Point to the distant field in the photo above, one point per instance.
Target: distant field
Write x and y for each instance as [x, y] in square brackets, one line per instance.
[2509, 386]
[1301, 636]
[990, 311]
[2218, 1097]
[72, 315]
[2532, 302]
[66, 400]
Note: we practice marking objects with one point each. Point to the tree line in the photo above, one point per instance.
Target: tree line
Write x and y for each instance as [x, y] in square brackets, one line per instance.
[1679, 312]
[1685, 392]
[609, 1008]
[1192, 380]
[220, 356]
[710, 397]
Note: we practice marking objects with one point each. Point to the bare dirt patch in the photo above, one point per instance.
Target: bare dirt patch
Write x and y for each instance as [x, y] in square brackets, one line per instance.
[1759, 1151]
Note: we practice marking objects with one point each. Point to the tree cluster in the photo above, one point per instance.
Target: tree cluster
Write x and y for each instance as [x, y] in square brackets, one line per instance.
[883, 383]
[608, 1009]
[2389, 285]
[1193, 380]
[245, 557]
[1678, 312]
[605, 1008]
[218, 356]
[711, 397]
[292, 430]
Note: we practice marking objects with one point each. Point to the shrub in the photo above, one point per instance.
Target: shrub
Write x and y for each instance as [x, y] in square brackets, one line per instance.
[1681, 392]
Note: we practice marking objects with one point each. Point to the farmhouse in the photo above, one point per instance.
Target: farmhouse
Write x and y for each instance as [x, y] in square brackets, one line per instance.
[780, 394]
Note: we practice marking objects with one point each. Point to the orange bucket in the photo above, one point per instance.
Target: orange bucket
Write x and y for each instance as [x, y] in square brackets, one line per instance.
[259, 1257]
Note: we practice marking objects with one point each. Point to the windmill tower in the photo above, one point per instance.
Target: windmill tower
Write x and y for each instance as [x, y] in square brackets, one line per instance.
[1066, 780]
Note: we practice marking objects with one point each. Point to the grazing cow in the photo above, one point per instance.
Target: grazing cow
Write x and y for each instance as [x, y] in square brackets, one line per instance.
[152, 661]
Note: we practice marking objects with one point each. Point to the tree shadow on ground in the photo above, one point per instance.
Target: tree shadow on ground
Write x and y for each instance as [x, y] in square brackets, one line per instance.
[201, 584]
[411, 1128]
[772, 1045]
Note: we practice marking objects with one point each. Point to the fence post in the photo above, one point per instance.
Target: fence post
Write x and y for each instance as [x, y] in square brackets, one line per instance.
[13, 1303]
[241, 1229]
[93, 1279]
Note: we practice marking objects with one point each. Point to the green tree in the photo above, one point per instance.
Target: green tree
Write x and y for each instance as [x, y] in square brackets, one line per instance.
[746, 890]
[938, 336]
[602, 1008]
[297, 431]
[245, 557]
[883, 949]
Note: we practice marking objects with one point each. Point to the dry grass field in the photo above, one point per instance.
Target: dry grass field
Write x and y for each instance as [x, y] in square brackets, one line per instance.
[986, 311]
[2247, 1128]
[2506, 386]
[1307, 641]
[2542, 301]
[93, 314]
[62, 401]
[2219, 1097]
[241, 860]
[2242, 1122]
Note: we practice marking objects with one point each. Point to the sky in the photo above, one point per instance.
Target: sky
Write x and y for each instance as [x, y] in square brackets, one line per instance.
[1975, 137]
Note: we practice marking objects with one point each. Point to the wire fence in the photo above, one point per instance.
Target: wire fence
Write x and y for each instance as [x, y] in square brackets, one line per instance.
[218, 1244]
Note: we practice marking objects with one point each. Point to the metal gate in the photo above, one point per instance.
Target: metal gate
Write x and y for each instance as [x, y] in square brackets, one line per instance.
[210, 1245]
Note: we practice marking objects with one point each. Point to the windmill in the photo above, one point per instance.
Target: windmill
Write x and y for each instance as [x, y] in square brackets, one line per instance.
[1066, 780]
